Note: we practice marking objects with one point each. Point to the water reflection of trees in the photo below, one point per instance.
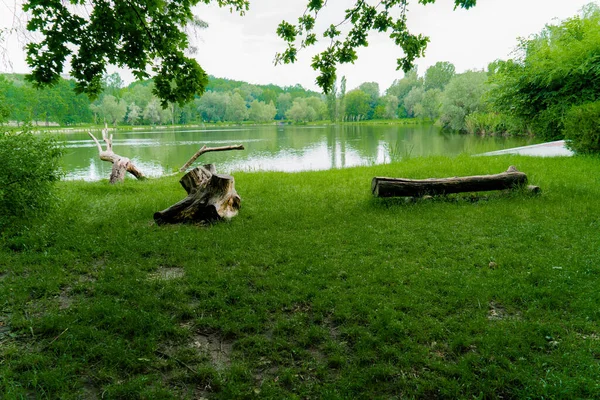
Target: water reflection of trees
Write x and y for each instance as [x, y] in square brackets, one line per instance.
[342, 146]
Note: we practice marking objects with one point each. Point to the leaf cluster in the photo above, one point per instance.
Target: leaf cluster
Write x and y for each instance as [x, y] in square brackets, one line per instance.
[148, 35]
[143, 35]
[386, 16]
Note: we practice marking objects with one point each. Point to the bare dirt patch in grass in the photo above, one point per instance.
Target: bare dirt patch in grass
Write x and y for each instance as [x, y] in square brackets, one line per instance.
[497, 312]
[99, 263]
[201, 394]
[86, 278]
[167, 274]
[267, 373]
[90, 392]
[64, 300]
[218, 349]
[317, 355]
[332, 327]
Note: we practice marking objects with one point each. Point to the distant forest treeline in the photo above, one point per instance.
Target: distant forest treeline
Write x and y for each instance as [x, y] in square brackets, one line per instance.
[551, 88]
[135, 104]
[228, 101]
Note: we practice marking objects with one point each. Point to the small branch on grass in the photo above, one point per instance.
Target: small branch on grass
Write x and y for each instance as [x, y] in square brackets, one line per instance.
[56, 338]
[205, 149]
[165, 355]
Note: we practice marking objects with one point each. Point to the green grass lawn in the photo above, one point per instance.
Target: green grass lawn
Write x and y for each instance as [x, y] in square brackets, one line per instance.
[316, 290]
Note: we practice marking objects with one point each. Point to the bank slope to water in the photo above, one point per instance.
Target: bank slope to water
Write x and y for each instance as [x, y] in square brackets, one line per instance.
[557, 148]
[316, 290]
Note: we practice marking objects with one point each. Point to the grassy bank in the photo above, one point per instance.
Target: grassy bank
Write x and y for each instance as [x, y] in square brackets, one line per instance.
[316, 290]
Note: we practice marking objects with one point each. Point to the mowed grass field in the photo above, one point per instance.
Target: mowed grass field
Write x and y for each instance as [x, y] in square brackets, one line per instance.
[316, 290]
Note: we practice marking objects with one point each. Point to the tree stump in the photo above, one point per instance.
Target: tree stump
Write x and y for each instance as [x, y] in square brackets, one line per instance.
[399, 187]
[211, 197]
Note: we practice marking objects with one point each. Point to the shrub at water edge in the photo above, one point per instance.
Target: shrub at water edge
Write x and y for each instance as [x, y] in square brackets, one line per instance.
[582, 128]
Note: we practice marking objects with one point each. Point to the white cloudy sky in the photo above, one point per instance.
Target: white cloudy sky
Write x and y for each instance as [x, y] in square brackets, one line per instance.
[243, 48]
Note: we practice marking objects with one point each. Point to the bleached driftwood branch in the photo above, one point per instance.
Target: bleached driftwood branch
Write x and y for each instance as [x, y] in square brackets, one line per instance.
[205, 149]
[121, 164]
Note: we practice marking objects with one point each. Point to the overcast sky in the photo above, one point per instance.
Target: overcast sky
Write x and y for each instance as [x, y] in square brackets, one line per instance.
[243, 48]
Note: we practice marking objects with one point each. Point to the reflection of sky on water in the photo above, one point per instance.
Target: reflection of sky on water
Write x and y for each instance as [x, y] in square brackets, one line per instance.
[315, 158]
[205, 130]
[75, 144]
[272, 148]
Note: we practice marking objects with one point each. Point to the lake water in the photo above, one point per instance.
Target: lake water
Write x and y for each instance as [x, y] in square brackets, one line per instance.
[275, 148]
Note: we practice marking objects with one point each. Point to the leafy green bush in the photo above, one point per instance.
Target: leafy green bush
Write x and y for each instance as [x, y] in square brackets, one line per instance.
[582, 128]
[481, 123]
[29, 165]
[552, 71]
[492, 123]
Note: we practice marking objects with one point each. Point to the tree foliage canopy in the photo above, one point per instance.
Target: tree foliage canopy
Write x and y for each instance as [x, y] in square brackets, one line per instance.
[437, 76]
[365, 16]
[138, 34]
[554, 70]
[145, 35]
[463, 96]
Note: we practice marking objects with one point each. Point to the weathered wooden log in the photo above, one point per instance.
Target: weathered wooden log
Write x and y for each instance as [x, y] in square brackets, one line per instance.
[399, 187]
[211, 197]
[121, 165]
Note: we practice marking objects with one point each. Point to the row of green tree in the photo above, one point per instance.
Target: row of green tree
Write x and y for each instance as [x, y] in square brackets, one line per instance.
[549, 89]
[225, 100]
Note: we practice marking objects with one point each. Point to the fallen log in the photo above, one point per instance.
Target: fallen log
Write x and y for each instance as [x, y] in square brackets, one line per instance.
[211, 197]
[120, 164]
[399, 187]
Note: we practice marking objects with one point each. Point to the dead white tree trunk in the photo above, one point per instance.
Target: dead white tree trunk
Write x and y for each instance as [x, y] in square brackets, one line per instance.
[121, 165]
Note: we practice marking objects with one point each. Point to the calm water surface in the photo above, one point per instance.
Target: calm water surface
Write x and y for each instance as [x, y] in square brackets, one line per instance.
[274, 148]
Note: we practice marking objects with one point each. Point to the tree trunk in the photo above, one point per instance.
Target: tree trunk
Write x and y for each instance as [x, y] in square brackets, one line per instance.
[121, 165]
[398, 187]
[211, 197]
